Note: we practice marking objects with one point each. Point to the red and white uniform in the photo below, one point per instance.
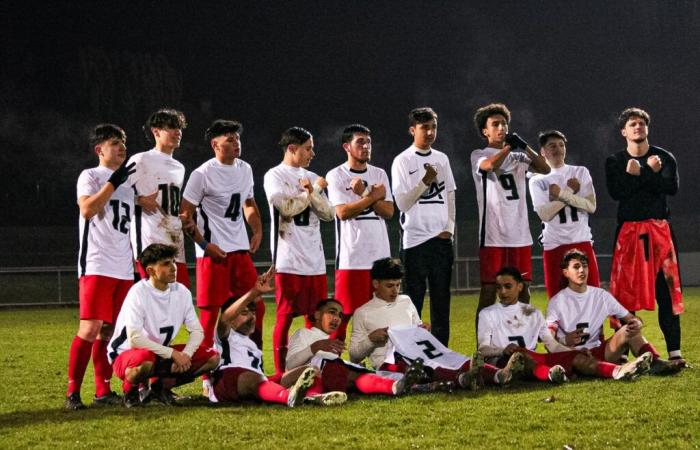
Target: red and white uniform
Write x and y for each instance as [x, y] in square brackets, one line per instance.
[299, 352]
[521, 324]
[238, 350]
[412, 342]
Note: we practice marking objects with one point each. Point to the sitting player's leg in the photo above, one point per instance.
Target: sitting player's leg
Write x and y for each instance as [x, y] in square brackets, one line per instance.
[133, 367]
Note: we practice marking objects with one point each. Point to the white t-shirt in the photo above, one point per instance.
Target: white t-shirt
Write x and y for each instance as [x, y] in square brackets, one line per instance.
[157, 314]
[104, 239]
[299, 352]
[571, 224]
[238, 350]
[569, 310]
[296, 245]
[158, 172]
[521, 324]
[501, 196]
[378, 313]
[413, 342]
[428, 217]
[362, 240]
[219, 191]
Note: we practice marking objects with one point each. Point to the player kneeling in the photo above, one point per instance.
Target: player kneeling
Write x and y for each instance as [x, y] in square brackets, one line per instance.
[241, 375]
[576, 316]
[152, 314]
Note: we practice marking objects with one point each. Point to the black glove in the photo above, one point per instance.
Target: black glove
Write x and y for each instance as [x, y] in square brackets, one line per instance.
[515, 141]
[121, 174]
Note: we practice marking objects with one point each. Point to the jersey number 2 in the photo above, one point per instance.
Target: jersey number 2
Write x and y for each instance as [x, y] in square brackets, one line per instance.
[429, 349]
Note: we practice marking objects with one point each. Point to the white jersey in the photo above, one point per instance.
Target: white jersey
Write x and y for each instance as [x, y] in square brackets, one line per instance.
[104, 239]
[219, 191]
[158, 315]
[414, 342]
[375, 314]
[569, 310]
[571, 224]
[238, 350]
[521, 324]
[428, 217]
[362, 240]
[158, 172]
[501, 196]
[296, 244]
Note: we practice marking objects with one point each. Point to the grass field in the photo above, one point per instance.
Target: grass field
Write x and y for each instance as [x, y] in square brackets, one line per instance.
[651, 412]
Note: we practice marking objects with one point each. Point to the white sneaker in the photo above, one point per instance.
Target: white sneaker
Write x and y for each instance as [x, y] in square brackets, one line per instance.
[633, 369]
[332, 398]
[557, 375]
[303, 383]
[516, 365]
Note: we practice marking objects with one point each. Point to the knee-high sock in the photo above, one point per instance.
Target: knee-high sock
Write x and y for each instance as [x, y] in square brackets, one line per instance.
[280, 338]
[605, 369]
[78, 359]
[649, 348]
[369, 383]
[316, 388]
[272, 392]
[103, 370]
[541, 372]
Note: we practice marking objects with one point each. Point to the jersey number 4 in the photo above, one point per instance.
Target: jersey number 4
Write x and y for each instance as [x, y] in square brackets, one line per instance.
[234, 207]
[508, 183]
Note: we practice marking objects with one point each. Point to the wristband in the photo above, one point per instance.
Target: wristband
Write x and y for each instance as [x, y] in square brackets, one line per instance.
[203, 244]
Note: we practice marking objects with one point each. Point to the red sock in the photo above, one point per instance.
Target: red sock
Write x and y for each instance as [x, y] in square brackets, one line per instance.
[605, 369]
[78, 359]
[257, 335]
[647, 347]
[316, 388]
[272, 392]
[207, 317]
[280, 337]
[369, 383]
[103, 371]
[541, 372]
[488, 372]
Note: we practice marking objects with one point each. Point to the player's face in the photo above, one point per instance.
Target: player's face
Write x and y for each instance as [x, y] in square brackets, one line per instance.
[360, 148]
[495, 130]
[303, 154]
[111, 152]
[387, 290]
[424, 134]
[576, 272]
[167, 139]
[244, 323]
[508, 289]
[329, 318]
[163, 272]
[227, 147]
[554, 151]
[636, 130]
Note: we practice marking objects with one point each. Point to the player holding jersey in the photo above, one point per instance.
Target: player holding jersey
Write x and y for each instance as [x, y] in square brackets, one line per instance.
[158, 187]
[297, 206]
[563, 199]
[360, 194]
[424, 190]
[105, 265]
[221, 193]
[645, 260]
[152, 314]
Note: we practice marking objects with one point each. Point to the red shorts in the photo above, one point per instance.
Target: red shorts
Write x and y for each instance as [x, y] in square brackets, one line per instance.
[564, 359]
[353, 288]
[136, 356]
[218, 282]
[493, 259]
[183, 274]
[599, 352]
[101, 297]
[554, 280]
[299, 294]
[225, 383]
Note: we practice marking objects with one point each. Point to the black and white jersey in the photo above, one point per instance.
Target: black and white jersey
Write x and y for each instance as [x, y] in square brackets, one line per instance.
[238, 350]
[414, 342]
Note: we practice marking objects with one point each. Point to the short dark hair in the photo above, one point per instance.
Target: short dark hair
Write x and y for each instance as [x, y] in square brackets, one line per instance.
[164, 118]
[421, 115]
[482, 115]
[544, 136]
[104, 132]
[632, 112]
[326, 301]
[221, 127]
[387, 269]
[574, 253]
[155, 253]
[351, 130]
[512, 272]
[293, 135]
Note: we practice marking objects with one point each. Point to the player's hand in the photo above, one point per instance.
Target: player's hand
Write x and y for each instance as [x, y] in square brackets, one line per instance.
[425, 326]
[379, 337]
[445, 235]
[554, 191]
[321, 182]
[574, 184]
[654, 161]
[120, 175]
[510, 349]
[255, 241]
[149, 204]
[181, 362]
[633, 327]
[215, 252]
[328, 345]
[306, 184]
[265, 282]
[378, 192]
[515, 141]
[358, 187]
[574, 338]
[188, 225]
[430, 174]
[633, 167]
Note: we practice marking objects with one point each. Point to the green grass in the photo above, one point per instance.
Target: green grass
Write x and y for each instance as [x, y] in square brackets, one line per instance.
[647, 413]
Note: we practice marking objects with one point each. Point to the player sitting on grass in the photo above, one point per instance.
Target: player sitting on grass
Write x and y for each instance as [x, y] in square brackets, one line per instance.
[152, 314]
[576, 316]
[314, 347]
[240, 375]
[512, 326]
[389, 314]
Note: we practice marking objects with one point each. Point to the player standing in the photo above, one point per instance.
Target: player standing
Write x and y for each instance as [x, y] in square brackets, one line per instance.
[297, 206]
[360, 194]
[105, 265]
[645, 262]
[563, 199]
[424, 190]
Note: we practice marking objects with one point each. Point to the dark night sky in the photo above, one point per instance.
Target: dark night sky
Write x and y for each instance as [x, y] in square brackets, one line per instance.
[324, 64]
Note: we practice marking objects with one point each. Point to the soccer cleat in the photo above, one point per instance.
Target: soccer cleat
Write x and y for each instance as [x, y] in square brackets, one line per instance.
[681, 362]
[333, 398]
[633, 369]
[662, 367]
[557, 375]
[471, 379]
[73, 402]
[303, 383]
[413, 375]
[515, 365]
[435, 386]
[110, 399]
[131, 398]
[161, 394]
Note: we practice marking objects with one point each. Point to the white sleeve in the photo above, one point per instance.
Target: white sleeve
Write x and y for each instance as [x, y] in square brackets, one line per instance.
[451, 212]
[360, 345]
[194, 190]
[587, 204]
[138, 340]
[385, 181]
[136, 178]
[450, 184]
[335, 190]
[287, 206]
[87, 185]
[476, 158]
[539, 192]
[194, 327]
[407, 200]
[299, 349]
[321, 205]
[547, 339]
[251, 183]
[484, 337]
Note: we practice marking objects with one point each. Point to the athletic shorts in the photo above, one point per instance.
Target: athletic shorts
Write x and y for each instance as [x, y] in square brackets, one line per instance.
[218, 282]
[183, 275]
[299, 294]
[136, 356]
[554, 280]
[493, 259]
[101, 297]
[564, 359]
[353, 288]
[225, 383]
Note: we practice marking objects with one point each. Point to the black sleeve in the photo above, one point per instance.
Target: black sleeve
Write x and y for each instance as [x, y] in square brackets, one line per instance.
[664, 182]
[620, 184]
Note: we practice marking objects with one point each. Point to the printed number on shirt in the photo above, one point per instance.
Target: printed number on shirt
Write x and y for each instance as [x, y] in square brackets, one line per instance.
[584, 327]
[170, 196]
[429, 349]
[302, 219]
[574, 214]
[518, 340]
[508, 183]
[234, 207]
[168, 332]
[120, 223]
[255, 362]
